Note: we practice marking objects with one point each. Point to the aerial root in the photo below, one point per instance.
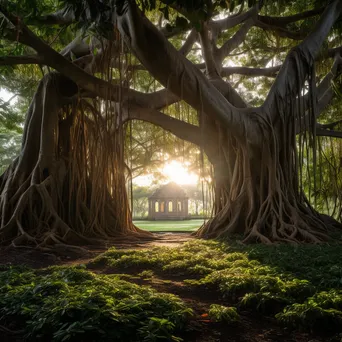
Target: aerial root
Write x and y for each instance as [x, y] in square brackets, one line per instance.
[275, 221]
[44, 229]
[65, 188]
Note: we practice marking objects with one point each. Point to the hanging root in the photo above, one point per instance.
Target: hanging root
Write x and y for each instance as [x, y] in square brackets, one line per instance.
[264, 196]
[66, 189]
[276, 219]
[264, 204]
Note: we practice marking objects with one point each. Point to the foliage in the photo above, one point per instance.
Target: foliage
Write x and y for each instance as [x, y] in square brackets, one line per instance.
[11, 123]
[196, 194]
[260, 48]
[9, 148]
[20, 83]
[220, 313]
[323, 311]
[304, 281]
[71, 304]
[140, 201]
[146, 274]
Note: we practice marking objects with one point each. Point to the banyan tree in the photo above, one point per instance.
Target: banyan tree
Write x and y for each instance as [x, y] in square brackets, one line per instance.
[67, 184]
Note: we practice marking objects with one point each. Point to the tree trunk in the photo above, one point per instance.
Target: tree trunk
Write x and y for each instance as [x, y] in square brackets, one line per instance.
[257, 192]
[260, 196]
[65, 187]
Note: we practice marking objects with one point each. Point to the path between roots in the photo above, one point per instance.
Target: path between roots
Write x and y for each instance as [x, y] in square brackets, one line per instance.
[38, 259]
[252, 327]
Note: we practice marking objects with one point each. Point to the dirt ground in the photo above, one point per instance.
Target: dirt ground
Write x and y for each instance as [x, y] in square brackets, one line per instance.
[252, 327]
[38, 259]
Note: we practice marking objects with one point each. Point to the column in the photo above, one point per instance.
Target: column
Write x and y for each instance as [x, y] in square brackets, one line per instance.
[186, 209]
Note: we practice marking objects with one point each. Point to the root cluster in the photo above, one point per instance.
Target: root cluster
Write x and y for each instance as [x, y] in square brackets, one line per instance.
[67, 185]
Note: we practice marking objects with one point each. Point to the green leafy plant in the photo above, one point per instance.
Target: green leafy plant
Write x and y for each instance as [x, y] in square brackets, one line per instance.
[220, 313]
[158, 329]
[70, 303]
[301, 286]
[146, 274]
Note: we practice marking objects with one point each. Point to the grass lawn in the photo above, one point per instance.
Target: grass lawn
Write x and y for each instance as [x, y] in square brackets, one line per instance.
[154, 226]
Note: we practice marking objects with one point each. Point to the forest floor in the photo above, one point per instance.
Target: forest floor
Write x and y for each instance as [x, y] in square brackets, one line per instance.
[250, 286]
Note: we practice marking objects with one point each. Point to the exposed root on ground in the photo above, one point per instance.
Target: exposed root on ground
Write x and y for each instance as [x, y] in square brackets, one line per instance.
[267, 213]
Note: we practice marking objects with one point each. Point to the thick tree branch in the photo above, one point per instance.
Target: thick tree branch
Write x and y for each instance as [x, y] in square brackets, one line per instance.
[178, 74]
[77, 47]
[179, 128]
[325, 95]
[324, 89]
[328, 93]
[86, 81]
[283, 21]
[212, 68]
[269, 72]
[63, 18]
[184, 50]
[281, 32]
[331, 53]
[229, 22]
[15, 60]
[331, 125]
[174, 31]
[229, 92]
[207, 52]
[324, 101]
[322, 104]
[296, 66]
[189, 42]
[328, 133]
[232, 43]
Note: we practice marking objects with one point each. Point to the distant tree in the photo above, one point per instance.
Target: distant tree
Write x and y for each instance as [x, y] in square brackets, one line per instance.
[140, 200]
[194, 192]
[11, 121]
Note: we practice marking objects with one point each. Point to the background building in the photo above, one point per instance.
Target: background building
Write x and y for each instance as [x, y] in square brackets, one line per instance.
[169, 202]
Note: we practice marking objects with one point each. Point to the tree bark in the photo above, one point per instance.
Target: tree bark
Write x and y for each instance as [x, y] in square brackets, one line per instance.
[64, 188]
[255, 165]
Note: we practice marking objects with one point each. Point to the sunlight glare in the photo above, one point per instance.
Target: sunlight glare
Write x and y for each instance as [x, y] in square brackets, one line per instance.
[179, 174]
[6, 95]
[145, 180]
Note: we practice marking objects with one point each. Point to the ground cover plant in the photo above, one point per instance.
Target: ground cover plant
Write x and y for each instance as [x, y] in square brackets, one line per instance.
[301, 286]
[255, 87]
[71, 303]
[197, 291]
